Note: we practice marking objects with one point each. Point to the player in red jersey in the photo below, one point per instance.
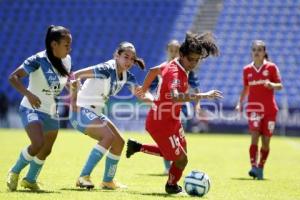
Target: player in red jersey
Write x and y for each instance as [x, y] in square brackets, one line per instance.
[163, 120]
[172, 53]
[261, 78]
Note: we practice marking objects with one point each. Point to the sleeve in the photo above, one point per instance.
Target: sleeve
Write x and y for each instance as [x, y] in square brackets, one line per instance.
[154, 83]
[245, 78]
[275, 75]
[101, 71]
[31, 64]
[193, 80]
[131, 81]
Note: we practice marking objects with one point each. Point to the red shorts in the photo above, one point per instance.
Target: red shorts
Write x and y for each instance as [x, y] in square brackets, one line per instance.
[168, 136]
[262, 123]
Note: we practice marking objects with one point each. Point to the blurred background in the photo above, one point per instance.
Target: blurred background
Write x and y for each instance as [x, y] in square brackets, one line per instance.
[98, 26]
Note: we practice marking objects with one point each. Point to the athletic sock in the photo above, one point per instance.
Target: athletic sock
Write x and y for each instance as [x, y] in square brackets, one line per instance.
[94, 157]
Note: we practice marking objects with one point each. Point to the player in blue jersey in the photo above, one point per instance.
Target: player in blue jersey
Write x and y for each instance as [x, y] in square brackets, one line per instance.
[48, 73]
[100, 82]
[172, 53]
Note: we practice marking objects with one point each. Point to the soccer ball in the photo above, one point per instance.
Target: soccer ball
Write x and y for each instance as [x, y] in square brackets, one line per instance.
[196, 183]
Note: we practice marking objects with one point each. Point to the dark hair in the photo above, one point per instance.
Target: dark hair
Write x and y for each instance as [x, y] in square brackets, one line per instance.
[56, 33]
[262, 44]
[203, 44]
[123, 46]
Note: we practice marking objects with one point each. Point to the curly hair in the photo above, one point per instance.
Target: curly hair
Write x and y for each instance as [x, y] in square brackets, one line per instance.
[203, 44]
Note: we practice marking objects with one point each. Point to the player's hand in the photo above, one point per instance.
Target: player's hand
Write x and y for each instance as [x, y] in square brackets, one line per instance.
[139, 92]
[144, 96]
[238, 108]
[268, 84]
[75, 85]
[34, 101]
[213, 94]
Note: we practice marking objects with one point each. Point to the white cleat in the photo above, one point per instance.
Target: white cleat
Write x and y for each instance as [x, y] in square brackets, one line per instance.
[85, 182]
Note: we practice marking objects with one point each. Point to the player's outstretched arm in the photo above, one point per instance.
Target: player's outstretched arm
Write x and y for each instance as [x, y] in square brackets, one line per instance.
[152, 74]
[141, 95]
[187, 97]
[84, 73]
[212, 94]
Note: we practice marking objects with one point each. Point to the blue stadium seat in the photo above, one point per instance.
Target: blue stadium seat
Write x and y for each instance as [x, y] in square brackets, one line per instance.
[239, 23]
[98, 26]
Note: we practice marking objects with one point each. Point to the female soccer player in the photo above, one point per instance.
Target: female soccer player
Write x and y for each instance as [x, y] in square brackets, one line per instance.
[172, 53]
[261, 78]
[48, 72]
[163, 120]
[101, 82]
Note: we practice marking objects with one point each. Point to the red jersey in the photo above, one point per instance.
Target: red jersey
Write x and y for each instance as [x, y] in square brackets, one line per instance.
[173, 76]
[258, 93]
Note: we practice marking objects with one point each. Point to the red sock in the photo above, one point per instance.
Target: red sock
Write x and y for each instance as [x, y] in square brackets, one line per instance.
[151, 149]
[174, 174]
[253, 154]
[263, 157]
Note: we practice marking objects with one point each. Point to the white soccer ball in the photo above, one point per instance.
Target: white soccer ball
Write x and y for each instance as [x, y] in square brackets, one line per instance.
[196, 183]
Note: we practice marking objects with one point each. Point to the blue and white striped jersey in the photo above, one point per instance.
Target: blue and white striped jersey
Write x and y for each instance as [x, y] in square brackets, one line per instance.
[96, 91]
[44, 81]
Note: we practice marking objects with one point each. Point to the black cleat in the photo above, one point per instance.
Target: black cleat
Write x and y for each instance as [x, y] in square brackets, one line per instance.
[173, 189]
[132, 147]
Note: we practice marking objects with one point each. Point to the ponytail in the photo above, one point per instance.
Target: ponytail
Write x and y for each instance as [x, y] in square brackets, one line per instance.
[56, 33]
[140, 62]
[267, 56]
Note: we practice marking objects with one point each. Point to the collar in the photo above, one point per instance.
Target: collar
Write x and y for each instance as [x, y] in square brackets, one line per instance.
[180, 66]
[260, 67]
[124, 73]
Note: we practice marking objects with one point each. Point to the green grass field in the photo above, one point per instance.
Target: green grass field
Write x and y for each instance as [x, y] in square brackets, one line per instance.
[223, 157]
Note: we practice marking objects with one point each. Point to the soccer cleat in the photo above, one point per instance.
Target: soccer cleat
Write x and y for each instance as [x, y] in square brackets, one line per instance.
[132, 147]
[253, 172]
[31, 186]
[113, 185]
[260, 173]
[12, 181]
[173, 189]
[85, 182]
